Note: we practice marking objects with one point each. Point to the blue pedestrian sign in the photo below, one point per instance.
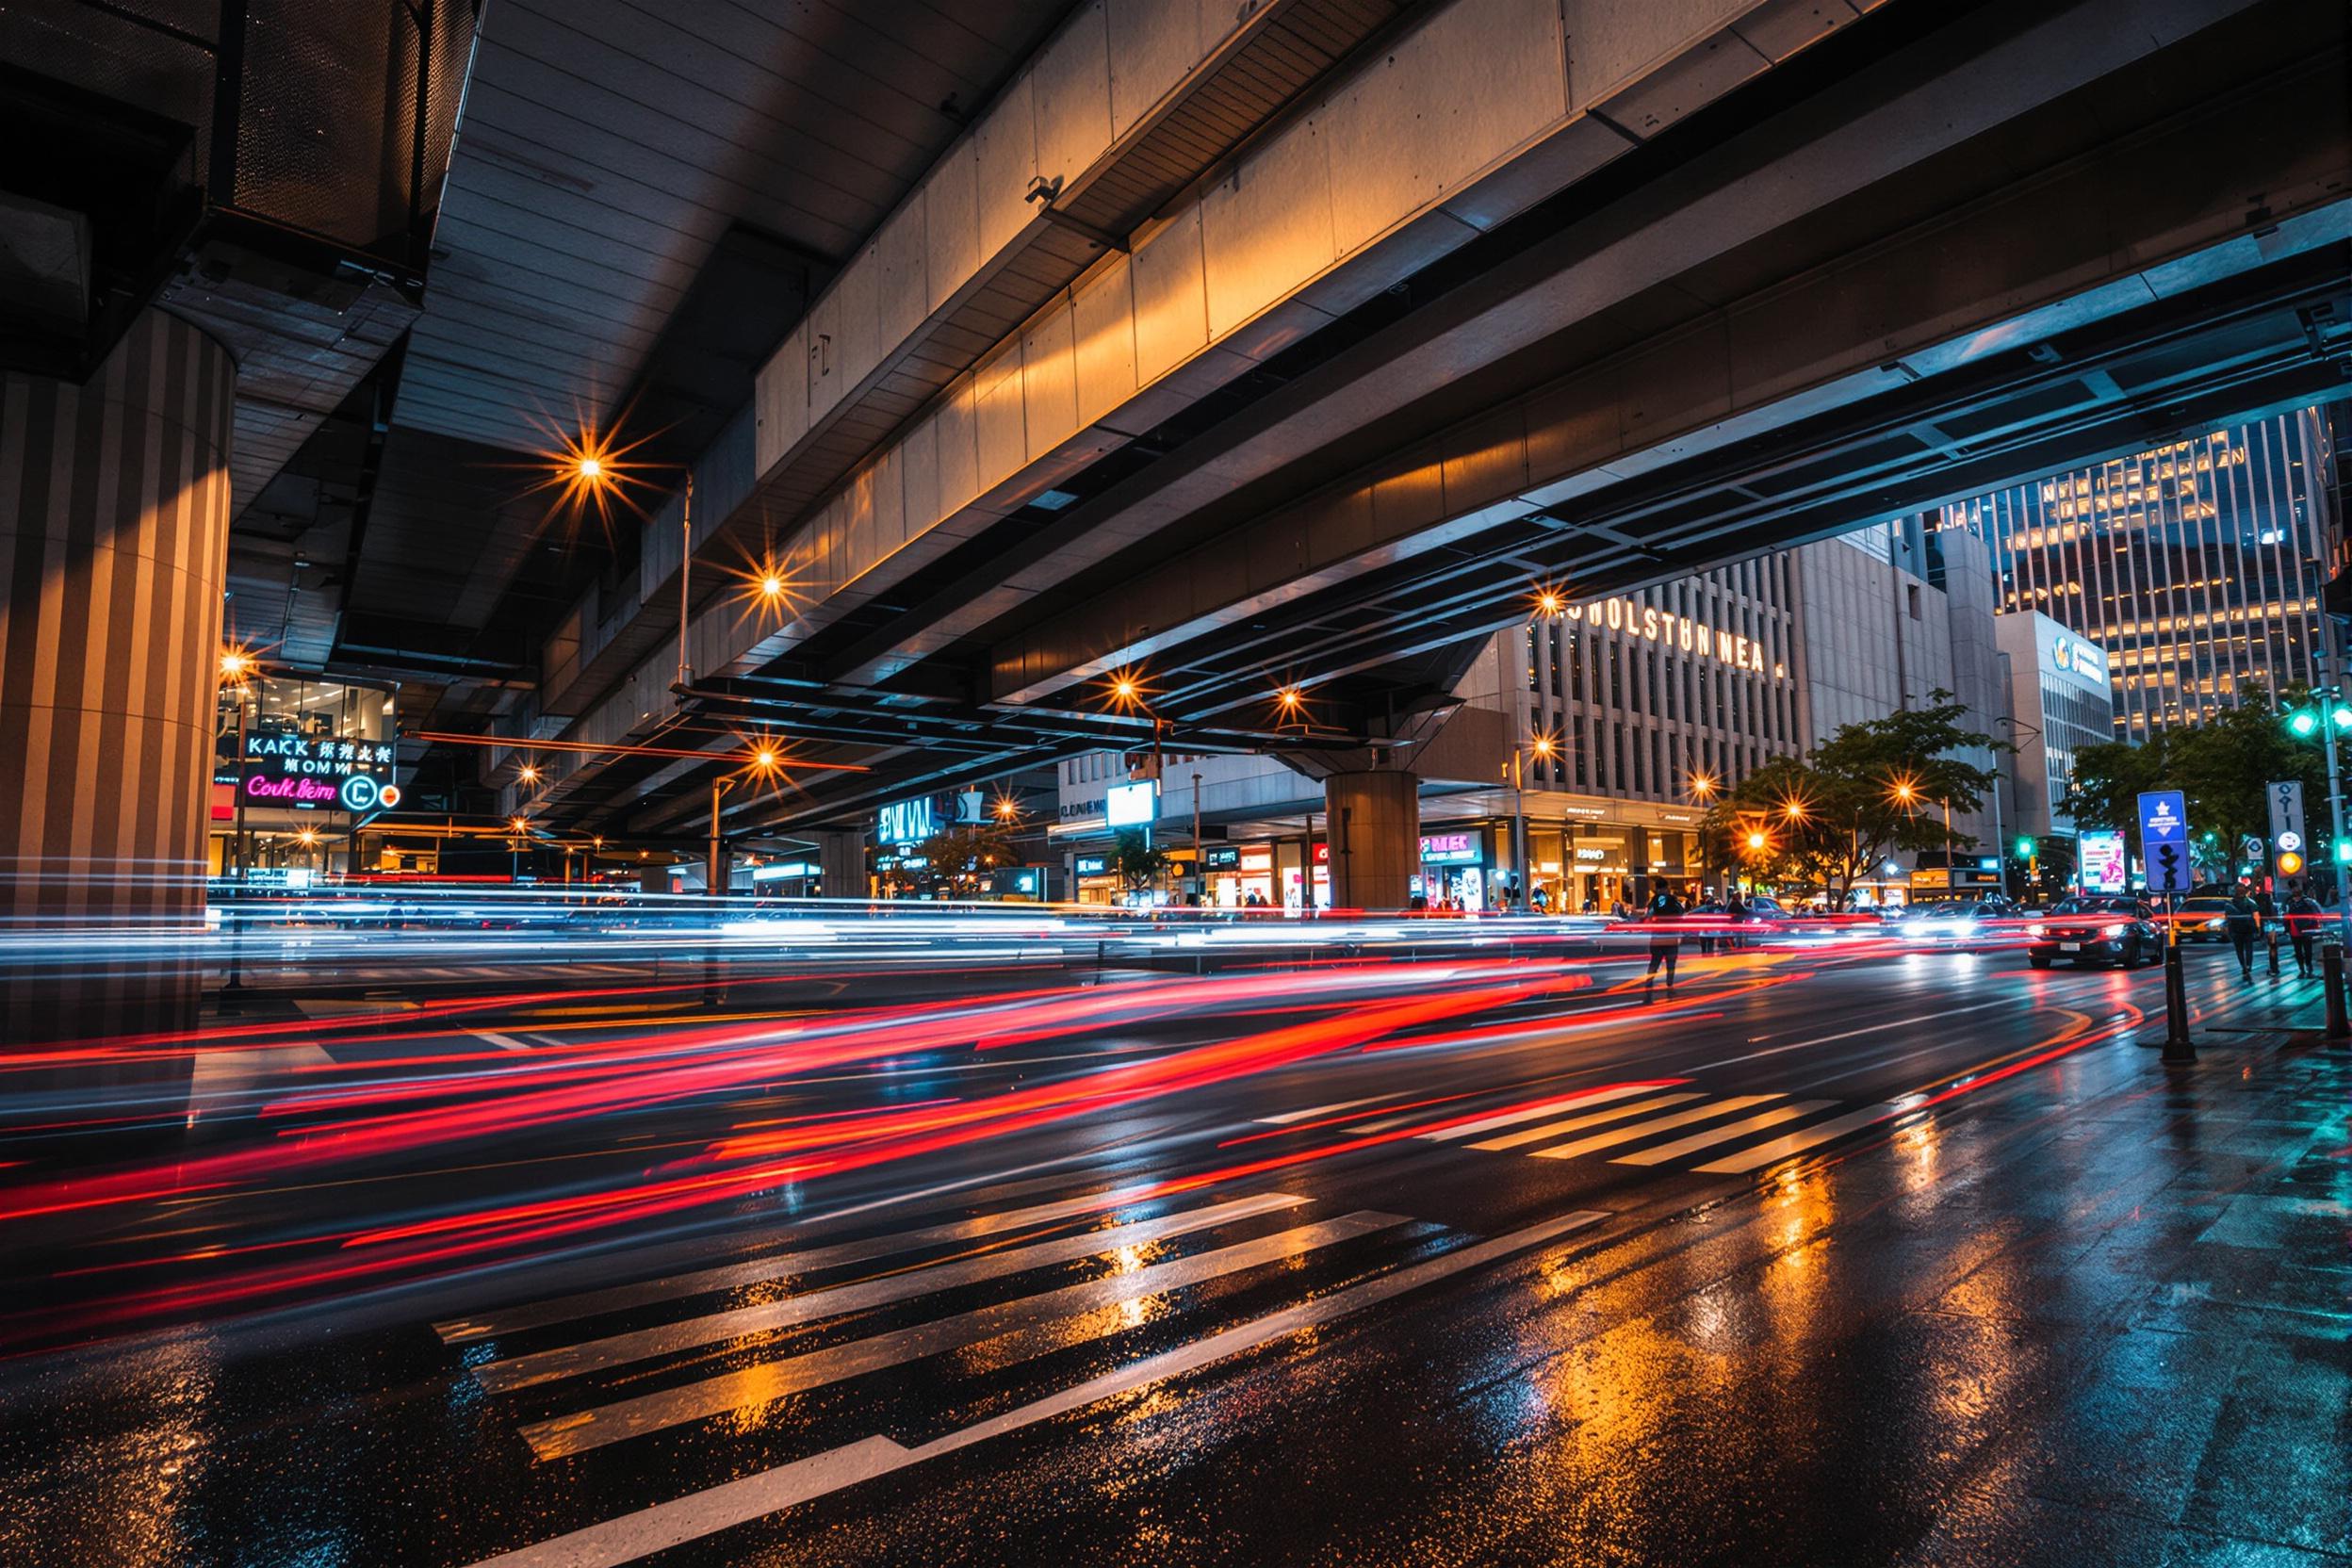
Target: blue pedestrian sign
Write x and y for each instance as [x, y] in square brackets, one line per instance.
[2164, 842]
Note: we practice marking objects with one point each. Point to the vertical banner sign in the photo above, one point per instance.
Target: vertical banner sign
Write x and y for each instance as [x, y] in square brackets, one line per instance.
[2165, 840]
[2286, 816]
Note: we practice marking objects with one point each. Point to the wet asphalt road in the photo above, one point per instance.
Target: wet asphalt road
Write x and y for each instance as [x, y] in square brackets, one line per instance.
[1919, 1259]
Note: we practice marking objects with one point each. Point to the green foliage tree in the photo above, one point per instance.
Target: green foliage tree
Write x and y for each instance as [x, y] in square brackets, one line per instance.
[1870, 789]
[961, 857]
[2220, 767]
[1137, 863]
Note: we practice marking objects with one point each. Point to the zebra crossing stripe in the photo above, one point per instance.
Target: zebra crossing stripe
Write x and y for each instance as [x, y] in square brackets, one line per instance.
[1709, 1137]
[1796, 1142]
[593, 1303]
[1577, 1123]
[1023, 1327]
[1640, 1130]
[696, 1516]
[570, 1361]
[1529, 1112]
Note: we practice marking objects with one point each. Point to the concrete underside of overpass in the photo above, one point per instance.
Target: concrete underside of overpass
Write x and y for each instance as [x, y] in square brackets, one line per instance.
[1770, 282]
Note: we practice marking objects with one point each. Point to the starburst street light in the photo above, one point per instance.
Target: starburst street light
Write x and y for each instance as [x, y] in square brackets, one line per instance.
[1703, 786]
[235, 664]
[528, 772]
[1793, 811]
[1756, 839]
[520, 825]
[1006, 809]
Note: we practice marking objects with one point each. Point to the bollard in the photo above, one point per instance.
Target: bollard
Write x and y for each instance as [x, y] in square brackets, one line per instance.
[2178, 1046]
[2331, 971]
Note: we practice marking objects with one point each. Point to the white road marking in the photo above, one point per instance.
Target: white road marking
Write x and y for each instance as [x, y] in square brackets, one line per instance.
[1640, 1130]
[566, 1309]
[1577, 1123]
[504, 1042]
[1709, 1137]
[1288, 1117]
[1796, 1142]
[597, 1355]
[699, 1514]
[1029, 1326]
[1529, 1112]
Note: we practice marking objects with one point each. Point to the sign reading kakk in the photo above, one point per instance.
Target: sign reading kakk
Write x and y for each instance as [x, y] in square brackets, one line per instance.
[2165, 840]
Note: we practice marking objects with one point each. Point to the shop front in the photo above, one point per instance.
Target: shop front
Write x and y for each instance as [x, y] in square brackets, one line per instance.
[1241, 876]
[300, 768]
[1456, 873]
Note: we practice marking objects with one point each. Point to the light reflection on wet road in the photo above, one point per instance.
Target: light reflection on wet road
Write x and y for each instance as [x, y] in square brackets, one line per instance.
[1920, 1259]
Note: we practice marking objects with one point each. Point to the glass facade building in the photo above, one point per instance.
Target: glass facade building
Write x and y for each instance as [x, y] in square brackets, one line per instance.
[2197, 566]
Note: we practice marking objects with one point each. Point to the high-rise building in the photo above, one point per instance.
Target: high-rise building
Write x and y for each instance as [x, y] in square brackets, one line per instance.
[2058, 699]
[2197, 565]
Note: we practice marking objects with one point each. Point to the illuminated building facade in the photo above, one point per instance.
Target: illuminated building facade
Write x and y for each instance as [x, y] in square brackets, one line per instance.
[2197, 566]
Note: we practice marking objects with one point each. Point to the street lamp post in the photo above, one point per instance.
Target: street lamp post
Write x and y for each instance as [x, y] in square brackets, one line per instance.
[1543, 746]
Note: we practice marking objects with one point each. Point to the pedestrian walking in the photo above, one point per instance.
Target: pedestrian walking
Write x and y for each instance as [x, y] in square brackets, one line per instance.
[2303, 918]
[2243, 922]
[1665, 914]
[2267, 907]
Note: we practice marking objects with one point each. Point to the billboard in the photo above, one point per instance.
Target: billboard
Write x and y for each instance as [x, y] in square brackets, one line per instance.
[1131, 804]
[2103, 868]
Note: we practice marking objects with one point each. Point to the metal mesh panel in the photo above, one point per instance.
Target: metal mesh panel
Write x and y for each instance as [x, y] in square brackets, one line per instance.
[326, 132]
[116, 58]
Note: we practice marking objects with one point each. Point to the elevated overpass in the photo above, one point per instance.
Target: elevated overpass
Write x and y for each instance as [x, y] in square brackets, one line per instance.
[1328, 415]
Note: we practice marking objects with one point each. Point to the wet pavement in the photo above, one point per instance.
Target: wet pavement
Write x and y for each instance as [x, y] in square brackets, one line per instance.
[1910, 1260]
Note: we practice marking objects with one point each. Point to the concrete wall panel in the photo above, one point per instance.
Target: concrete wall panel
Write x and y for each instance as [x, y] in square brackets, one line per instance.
[1104, 325]
[951, 221]
[782, 390]
[1153, 43]
[903, 293]
[1049, 379]
[998, 423]
[1611, 44]
[1007, 144]
[1376, 129]
[824, 355]
[856, 350]
[958, 445]
[1496, 76]
[1072, 83]
[919, 451]
[1171, 297]
[1266, 228]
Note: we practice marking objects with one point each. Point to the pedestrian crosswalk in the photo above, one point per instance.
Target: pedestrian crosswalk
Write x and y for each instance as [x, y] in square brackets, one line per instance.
[1654, 1123]
[732, 1348]
[1135, 1288]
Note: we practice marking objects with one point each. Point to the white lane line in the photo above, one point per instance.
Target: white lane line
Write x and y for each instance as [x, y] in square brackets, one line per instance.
[1577, 1123]
[1640, 1130]
[1796, 1142]
[697, 1515]
[1529, 1112]
[592, 1303]
[1026, 1327]
[1288, 1117]
[1709, 1137]
[597, 1355]
[504, 1042]
[1866, 1029]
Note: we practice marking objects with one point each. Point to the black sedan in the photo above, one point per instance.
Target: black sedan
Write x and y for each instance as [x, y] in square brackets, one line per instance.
[2119, 931]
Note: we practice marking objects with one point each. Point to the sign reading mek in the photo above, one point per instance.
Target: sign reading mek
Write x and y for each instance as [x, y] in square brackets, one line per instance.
[1449, 849]
[2165, 840]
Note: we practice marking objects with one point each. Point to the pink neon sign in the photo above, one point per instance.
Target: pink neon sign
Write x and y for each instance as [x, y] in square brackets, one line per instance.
[318, 792]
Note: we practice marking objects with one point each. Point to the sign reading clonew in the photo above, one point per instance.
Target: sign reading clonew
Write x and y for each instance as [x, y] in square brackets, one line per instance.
[1677, 631]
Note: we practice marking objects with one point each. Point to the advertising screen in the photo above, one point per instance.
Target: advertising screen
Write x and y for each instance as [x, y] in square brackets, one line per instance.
[1130, 805]
[2103, 866]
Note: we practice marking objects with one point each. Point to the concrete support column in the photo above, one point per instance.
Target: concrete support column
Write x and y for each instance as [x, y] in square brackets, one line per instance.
[1373, 821]
[840, 862]
[114, 526]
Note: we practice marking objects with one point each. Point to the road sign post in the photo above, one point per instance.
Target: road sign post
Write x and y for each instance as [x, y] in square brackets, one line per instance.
[2164, 843]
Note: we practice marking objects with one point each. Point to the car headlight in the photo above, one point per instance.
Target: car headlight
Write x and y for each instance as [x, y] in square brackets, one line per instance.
[2113, 931]
[2214, 924]
[2037, 930]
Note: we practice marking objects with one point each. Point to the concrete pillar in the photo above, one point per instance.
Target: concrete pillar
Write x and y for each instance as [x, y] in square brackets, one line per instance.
[1373, 821]
[840, 862]
[114, 526]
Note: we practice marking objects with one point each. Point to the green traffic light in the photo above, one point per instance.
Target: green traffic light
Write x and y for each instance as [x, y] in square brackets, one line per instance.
[2344, 717]
[2304, 723]
[2025, 849]
[2344, 854]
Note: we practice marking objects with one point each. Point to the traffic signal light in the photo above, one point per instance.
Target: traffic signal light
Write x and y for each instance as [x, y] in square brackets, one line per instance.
[2304, 723]
[2025, 848]
[2289, 862]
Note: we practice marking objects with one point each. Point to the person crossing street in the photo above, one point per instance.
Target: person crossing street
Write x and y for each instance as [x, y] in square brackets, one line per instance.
[1664, 914]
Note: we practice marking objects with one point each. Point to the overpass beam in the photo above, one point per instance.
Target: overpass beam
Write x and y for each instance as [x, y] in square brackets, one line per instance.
[1374, 822]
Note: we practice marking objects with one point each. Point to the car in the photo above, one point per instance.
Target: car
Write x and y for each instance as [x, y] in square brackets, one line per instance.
[2204, 920]
[2096, 930]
